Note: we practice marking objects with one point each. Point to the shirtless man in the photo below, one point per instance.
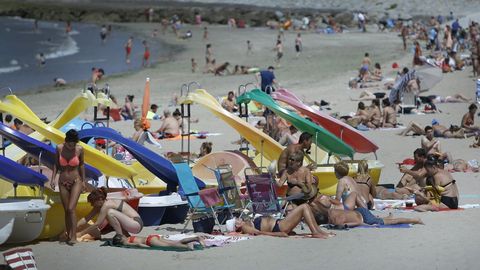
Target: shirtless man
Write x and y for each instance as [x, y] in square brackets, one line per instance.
[443, 184]
[229, 103]
[389, 115]
[362, 216]
[432, 145]
[366, 62]
[439, 131]
[170, 127]
[304, 143]
[468, 120]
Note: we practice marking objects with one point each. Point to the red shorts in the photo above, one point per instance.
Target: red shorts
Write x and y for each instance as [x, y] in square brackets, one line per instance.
[146, 55]
[128, 50]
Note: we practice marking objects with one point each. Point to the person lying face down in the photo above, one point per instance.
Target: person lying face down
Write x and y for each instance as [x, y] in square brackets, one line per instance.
[156, 240]
[279, 227]
[362, 216]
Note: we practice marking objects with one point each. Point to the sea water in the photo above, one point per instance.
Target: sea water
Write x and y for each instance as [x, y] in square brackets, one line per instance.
[68, 56]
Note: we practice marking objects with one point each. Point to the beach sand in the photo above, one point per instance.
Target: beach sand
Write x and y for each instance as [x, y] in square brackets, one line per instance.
[447, 241]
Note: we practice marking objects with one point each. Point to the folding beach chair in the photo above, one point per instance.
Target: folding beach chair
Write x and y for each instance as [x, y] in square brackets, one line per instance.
[207, 201]
[20, 259]
[408, 101]
[228, 187]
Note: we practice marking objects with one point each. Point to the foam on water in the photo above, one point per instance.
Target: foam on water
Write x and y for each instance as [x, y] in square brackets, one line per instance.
[68, 47]
[9, 69]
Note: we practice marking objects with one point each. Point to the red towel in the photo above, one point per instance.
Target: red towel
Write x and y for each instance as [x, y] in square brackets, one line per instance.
[20, 259]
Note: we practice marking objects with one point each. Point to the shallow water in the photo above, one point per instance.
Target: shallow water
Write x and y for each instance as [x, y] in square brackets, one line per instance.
[70, 57]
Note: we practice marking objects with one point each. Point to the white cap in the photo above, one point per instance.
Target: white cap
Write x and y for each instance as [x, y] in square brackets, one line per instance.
[230, 224]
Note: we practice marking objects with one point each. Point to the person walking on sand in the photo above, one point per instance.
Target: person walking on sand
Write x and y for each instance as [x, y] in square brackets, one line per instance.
[128, 49]
[267, 80]
[404, 34]
[69, 163]
[298, 44]
[279, 52]
[417, 61]
[205, 33]
[146, 54]
[208, 56]
[194, 65]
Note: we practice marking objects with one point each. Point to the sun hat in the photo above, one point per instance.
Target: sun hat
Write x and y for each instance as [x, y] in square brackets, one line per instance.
[230, 224]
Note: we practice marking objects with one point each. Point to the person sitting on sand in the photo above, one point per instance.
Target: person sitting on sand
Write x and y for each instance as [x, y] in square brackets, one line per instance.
[265, 225]
[415, 177]
[347, 193]
[476, 143]
[222, 69]
[362, 216]
[59, 82]
[377, 73]
[304, 143]
[205, 149]
[170, 127]
[389, 115]
[120, 215]
[156, 240]
[229, 103]
[468, 119]
[432, 145]
[375, 118]
[137, 125]
[128, 109]
[298, 178]
[365, 187]
[290, 137]
[443, 186]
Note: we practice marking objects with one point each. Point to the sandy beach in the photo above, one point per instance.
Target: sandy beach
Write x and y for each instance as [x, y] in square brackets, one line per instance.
[447, 241]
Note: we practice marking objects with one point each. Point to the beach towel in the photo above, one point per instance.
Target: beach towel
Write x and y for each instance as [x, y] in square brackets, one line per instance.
[20, 259]
[109, 243]
[211, 240]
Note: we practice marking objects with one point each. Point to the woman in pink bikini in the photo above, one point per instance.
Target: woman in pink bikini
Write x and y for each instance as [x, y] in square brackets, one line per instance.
[71, 181]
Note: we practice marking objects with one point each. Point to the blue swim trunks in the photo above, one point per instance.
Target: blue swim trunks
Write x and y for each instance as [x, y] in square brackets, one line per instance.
[368, 217]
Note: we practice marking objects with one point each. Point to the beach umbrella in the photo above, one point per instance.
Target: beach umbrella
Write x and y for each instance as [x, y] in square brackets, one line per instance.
[429, 77]
[146, 105]
[400, 85]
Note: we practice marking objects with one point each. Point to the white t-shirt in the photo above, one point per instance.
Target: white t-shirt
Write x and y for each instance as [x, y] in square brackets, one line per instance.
[361, 17]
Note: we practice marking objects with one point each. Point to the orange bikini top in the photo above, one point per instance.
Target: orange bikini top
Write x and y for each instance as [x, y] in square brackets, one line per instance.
[72, 162]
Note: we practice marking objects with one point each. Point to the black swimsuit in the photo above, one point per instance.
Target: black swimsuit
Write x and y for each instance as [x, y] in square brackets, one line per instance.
[257, 223]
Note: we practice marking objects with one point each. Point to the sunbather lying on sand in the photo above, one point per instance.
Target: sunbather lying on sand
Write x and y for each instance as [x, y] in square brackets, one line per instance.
[156, 240]
[362, 216]
[439, 131]
[279, 227]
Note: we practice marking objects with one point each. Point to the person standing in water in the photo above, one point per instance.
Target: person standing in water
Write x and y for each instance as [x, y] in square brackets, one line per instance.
[103, 33]
[146, 54]
[71, 182]
[128, 49]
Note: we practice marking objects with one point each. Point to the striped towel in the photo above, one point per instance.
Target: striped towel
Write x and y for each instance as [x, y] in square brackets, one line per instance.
[20, 259]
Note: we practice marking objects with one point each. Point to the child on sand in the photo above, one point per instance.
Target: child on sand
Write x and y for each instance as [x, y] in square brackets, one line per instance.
[249, 47]
[156, 240]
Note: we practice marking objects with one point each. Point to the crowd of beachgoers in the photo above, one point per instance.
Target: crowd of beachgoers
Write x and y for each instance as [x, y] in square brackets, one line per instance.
[440, 45]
